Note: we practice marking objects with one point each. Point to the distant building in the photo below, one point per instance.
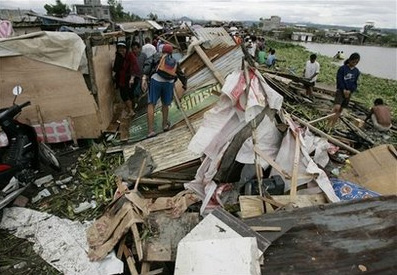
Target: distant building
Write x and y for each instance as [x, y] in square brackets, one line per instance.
[94, 8]
[302, 36]
[271, 24]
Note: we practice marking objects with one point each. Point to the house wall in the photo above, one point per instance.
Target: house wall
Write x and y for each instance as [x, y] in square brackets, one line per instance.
[59, 92]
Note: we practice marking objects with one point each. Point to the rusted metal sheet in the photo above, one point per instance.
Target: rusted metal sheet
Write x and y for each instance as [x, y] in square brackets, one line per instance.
[338, 238]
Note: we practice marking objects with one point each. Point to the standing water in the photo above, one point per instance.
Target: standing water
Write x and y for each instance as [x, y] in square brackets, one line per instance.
[377, 61]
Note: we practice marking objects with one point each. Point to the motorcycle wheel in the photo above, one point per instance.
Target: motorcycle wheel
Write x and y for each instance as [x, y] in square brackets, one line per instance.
[47, 156]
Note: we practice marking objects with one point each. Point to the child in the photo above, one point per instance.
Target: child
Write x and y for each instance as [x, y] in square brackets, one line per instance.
[346, 84]
[380, 116]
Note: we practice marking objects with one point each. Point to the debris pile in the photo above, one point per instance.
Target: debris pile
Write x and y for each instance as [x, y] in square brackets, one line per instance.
[243, 182]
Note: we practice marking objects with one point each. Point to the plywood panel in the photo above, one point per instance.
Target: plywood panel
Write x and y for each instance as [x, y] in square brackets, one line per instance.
[103, 62]
[59, 92]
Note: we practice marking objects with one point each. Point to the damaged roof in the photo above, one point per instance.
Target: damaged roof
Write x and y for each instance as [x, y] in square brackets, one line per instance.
[337, 238]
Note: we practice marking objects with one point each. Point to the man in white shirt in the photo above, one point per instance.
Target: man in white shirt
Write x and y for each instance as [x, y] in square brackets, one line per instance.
[148, 48]
[311, 71]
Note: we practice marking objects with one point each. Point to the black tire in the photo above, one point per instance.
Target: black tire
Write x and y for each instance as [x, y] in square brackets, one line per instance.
[47, 157]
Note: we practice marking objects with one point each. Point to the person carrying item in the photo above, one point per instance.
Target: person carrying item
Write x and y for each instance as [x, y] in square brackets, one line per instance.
[346, 84]
[126, 69]
[311, 71]
[380, 115]
[162, 71]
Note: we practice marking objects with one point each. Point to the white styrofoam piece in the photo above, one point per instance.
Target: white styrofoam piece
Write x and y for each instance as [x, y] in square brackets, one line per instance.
[218, 257]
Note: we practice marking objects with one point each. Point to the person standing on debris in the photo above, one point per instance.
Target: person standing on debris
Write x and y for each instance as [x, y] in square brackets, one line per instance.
[346, 83]
[311, 71]
[380, 115]
[126, 69]
[162, 71]
[148, 48]
[252, 47]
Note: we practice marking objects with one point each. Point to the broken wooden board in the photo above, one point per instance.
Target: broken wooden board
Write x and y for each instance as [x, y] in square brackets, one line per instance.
[375, 169]
[338, 237]
[251, 206]
[166, 234]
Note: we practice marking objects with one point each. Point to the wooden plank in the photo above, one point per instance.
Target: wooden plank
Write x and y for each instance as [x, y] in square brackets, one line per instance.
[130, 260]
[137, 241]
[266, 228]
[145, 269]
[302, 200]
[251, 206]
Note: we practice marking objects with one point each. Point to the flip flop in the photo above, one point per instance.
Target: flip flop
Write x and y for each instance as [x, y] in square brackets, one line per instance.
[151, 134]
[167, 127]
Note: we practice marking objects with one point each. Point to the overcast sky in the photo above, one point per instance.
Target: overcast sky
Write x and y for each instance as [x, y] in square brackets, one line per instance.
[334, 12]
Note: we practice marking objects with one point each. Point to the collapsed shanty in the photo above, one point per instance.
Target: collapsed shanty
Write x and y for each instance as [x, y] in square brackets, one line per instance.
[235, 141]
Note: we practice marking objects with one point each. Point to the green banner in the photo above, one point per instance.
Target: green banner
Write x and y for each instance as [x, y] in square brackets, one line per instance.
[191, 104]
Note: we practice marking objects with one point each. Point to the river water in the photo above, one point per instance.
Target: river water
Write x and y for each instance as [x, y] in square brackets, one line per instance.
[377, 61]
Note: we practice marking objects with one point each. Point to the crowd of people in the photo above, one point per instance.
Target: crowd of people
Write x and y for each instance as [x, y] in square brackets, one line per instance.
[151, 70]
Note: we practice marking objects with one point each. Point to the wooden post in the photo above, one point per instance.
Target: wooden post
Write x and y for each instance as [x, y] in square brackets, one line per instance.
[90, 63]
[72, 130]
[258, 167]
[143, 164]
[178, 103]
[295, 169]
[41, 122]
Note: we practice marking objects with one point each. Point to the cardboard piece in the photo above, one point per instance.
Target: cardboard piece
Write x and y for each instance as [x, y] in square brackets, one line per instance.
[375, 169]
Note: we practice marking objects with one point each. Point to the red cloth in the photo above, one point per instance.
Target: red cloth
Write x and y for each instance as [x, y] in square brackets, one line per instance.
[130, 68]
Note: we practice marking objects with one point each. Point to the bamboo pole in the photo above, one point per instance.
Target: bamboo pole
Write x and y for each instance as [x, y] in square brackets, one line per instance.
[321, 118]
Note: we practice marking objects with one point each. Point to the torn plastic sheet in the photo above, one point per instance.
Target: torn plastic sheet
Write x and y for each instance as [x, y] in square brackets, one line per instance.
[224, 120]
[60, 242]
[285, 158]
[268, 141]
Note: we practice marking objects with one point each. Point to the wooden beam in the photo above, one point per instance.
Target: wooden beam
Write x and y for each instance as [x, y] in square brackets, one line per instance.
[328, 137]
[138, 241]
[209, 64]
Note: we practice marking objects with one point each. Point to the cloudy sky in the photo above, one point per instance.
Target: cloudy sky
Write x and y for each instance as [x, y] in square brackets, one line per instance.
[334, 12]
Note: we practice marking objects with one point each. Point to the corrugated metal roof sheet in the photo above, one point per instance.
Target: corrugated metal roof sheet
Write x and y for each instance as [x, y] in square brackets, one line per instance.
[139, 26]
[200, 75]
[215, 36]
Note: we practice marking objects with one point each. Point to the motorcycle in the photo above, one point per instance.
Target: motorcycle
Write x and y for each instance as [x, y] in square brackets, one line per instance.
[20, 160]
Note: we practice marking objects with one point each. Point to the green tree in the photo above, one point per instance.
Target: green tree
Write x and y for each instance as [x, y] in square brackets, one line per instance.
[59, 9]
[117, 12]
[152, 16]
